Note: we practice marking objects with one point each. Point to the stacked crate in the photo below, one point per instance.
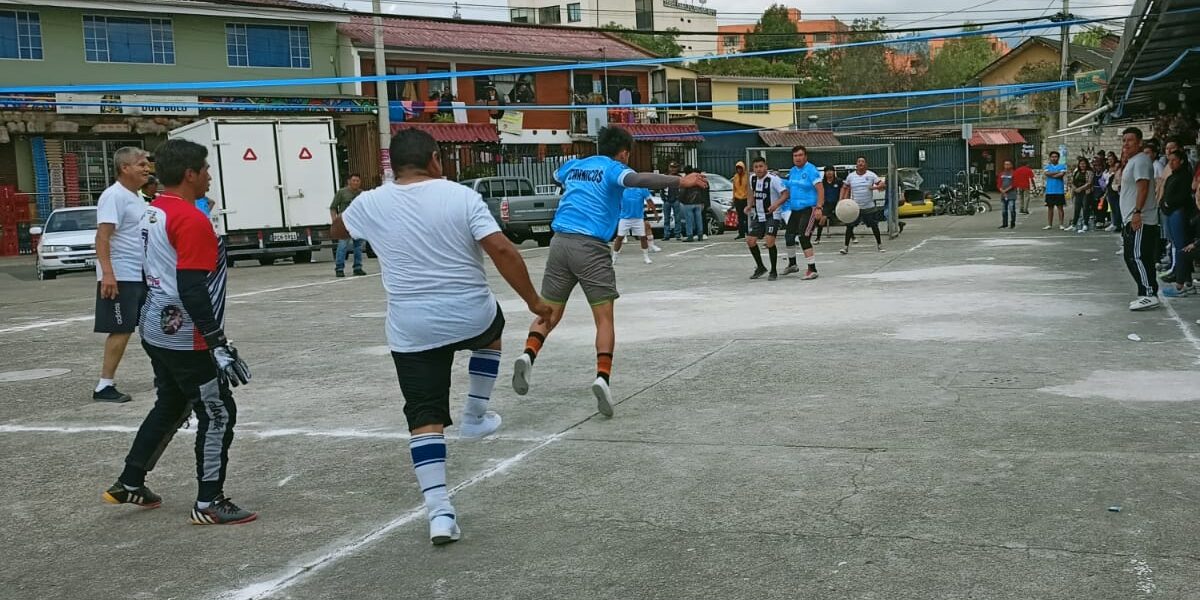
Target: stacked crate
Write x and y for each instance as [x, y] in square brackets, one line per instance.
[14, 221]
[71, 179]
[41, 172]
[54, 164]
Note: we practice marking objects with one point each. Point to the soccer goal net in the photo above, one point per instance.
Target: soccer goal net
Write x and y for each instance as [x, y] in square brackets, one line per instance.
[881, 158]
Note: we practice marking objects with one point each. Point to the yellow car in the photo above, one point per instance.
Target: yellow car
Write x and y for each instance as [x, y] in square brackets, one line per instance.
[913, 201]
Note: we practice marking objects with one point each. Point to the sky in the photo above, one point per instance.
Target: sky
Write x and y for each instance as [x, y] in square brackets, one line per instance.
[935, 12]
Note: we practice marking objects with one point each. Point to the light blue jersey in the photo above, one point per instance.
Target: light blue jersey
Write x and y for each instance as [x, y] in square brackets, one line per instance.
[802, 187]
[633, 203]
[1055, 186]
[591, 200]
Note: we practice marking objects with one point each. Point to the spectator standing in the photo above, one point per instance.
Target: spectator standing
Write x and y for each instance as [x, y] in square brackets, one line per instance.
[694, 200]
[1179, 208]
[833, 191]
[341, 201]
[1023, 181]
[1112, 191]
[149, 191]
[741, 196]
[1056, 192]
[1006, 182]
[1081, 193]
[673, 217]
[1139, 212]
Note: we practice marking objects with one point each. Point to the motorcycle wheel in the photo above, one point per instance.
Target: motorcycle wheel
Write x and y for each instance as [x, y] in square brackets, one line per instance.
[983, 207]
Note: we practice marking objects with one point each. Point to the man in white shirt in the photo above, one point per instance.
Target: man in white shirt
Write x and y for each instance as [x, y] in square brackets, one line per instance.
[861, 186]
[430, 236]
[1139, 212]
[120, 287]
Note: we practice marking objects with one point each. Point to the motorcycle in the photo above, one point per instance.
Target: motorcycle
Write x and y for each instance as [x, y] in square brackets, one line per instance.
[961, 200]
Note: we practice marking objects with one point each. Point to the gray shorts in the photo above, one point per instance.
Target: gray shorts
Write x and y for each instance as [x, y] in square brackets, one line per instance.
[579, 259]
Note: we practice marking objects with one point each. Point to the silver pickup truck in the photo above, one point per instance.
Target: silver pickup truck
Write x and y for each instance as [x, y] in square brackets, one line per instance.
[521, 213]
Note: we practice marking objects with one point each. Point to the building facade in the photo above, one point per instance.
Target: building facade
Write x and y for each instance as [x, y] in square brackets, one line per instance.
[643, 15]
[817, 33]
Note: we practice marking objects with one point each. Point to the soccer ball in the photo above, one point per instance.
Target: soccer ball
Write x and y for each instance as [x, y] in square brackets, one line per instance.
[847, 211]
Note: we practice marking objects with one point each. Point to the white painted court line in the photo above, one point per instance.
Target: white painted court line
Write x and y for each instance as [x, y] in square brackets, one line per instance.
[682, 252]
[293, 575]
[68, 320]
[371, 434]
[1184, 327]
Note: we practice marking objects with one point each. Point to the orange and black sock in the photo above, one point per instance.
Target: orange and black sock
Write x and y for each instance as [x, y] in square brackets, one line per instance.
[533, 345]
[604, 365]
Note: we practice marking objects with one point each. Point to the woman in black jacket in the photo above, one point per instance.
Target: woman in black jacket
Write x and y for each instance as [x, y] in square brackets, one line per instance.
[1179, 208]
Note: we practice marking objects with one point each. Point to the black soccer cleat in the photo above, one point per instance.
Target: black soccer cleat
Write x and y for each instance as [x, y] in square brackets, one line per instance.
[143, 497]
[222, 511]
[110, 394]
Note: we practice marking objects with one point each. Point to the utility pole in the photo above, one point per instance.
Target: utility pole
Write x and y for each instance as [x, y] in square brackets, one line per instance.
[381, 95]
[1064, 94]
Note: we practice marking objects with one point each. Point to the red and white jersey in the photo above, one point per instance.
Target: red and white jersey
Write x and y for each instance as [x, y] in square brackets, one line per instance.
[177, 235]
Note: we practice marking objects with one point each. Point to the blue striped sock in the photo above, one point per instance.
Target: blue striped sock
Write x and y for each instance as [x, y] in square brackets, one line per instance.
[484, 367]
[429, 463]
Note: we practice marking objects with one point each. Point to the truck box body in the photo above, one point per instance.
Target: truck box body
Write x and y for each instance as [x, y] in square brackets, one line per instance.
[273, 179]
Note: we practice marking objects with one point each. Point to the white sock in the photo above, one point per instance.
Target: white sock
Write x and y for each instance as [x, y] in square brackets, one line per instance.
[103, 384]
[484, 368]
[429, 463]
[200, 504]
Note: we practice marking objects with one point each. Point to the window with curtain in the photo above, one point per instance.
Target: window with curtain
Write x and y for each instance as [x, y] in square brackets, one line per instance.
[283, 46]
[574, 13]
[128, 40]
[401, 90]
[752, 95]
[20, 35]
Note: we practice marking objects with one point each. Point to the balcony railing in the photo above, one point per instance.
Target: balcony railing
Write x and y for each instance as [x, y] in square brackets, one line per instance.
[616, 116]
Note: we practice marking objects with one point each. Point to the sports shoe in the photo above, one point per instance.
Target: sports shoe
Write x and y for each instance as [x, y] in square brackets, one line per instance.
[646, 259]
[1111, 228]
[1144, 303]
[522, 369]
[854, 240]
[1064, 228]
[774, 276]
[1083, 229]
[1174, 292]
[485, 426]
[222, 511]
[110, 394]
[845, 250]
[1048, 228]
[879, 248]
[604, 401]
[339, 273]
[791, 269]
[655, 248]
[443, 529]
[143, 497]
[810, 275]
[359, 272]
[703, 237]
[758, 273]
[1070, 227]
[688, 240]
[1167, 277]
[816, 241]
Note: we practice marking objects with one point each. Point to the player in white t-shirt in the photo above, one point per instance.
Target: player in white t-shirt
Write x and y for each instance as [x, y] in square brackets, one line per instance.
[120, 288]
[861, 186]
[430, 236]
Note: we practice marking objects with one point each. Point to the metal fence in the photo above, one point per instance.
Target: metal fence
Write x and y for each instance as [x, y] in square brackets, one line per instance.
[540, 172]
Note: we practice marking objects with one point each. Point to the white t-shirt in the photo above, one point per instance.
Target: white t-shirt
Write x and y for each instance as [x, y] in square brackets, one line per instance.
[123, 209]
[426, 236]
[860, 188]
[1138, 168]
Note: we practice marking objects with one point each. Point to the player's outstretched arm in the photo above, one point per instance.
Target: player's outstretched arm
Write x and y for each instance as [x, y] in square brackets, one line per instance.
[512, 268]
[659, 181]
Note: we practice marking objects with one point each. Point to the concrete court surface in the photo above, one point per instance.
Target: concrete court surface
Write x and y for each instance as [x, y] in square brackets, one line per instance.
[952, 419]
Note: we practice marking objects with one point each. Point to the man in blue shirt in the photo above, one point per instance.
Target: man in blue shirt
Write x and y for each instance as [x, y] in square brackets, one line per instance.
[1056, 195]
[805, 196]
[634, 202]
[588, 214]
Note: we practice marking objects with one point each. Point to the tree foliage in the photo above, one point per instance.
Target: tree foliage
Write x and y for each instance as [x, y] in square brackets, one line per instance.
[960, 59]
[745, 67]
[1038, 72]
[1091, 37]
[775, 31]
[666, 44]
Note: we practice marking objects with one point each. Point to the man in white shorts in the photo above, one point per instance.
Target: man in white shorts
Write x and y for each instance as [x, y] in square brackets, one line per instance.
[634, 202]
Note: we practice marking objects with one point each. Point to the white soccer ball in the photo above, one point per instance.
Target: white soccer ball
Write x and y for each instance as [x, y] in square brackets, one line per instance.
[847, 211]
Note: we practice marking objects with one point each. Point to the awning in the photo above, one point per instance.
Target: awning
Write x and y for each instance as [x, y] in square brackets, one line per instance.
[996, 137]
[788, 139]
[1157, 48]
[454, 133]
[661, 132]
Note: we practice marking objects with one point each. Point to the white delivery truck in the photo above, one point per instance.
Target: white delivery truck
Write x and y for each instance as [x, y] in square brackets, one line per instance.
[273, 179]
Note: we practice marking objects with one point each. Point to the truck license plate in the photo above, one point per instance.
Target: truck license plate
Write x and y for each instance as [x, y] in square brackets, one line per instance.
[285, 236]
[540, 229]
[91, 262]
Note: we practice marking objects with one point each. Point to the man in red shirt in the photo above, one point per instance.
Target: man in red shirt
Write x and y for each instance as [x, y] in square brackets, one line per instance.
[1023, 181]
[182, 329]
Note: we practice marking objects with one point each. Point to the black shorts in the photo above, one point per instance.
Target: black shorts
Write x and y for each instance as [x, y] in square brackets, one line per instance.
[425, 376]
[801, 222]
[760, 229]
[120, 314]
[869, 217]
[1056, 199]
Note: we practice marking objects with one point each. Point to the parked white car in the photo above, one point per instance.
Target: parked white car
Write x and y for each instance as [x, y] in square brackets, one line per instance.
[68, 242]
[720, 201]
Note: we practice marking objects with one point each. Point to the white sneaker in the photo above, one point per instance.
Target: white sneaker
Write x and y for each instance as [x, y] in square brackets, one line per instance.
[604, 401]
[1111, 228]
[443, 529]
[655, 248]
[522, 369]
[1083, 229]
[1048, 228]
[703, 237]
[1069, 228]
[646, 259]
[487, 425]
[880, 248]
[1144, 303]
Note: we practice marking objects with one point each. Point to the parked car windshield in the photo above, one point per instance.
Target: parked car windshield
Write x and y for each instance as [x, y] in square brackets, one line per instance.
[71, 220]
[718, 183]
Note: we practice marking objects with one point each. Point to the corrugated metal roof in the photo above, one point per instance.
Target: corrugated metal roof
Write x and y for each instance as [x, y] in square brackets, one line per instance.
[477, 38]
[996, 137]
[787, 139]
[656, 132]
[454, 133]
